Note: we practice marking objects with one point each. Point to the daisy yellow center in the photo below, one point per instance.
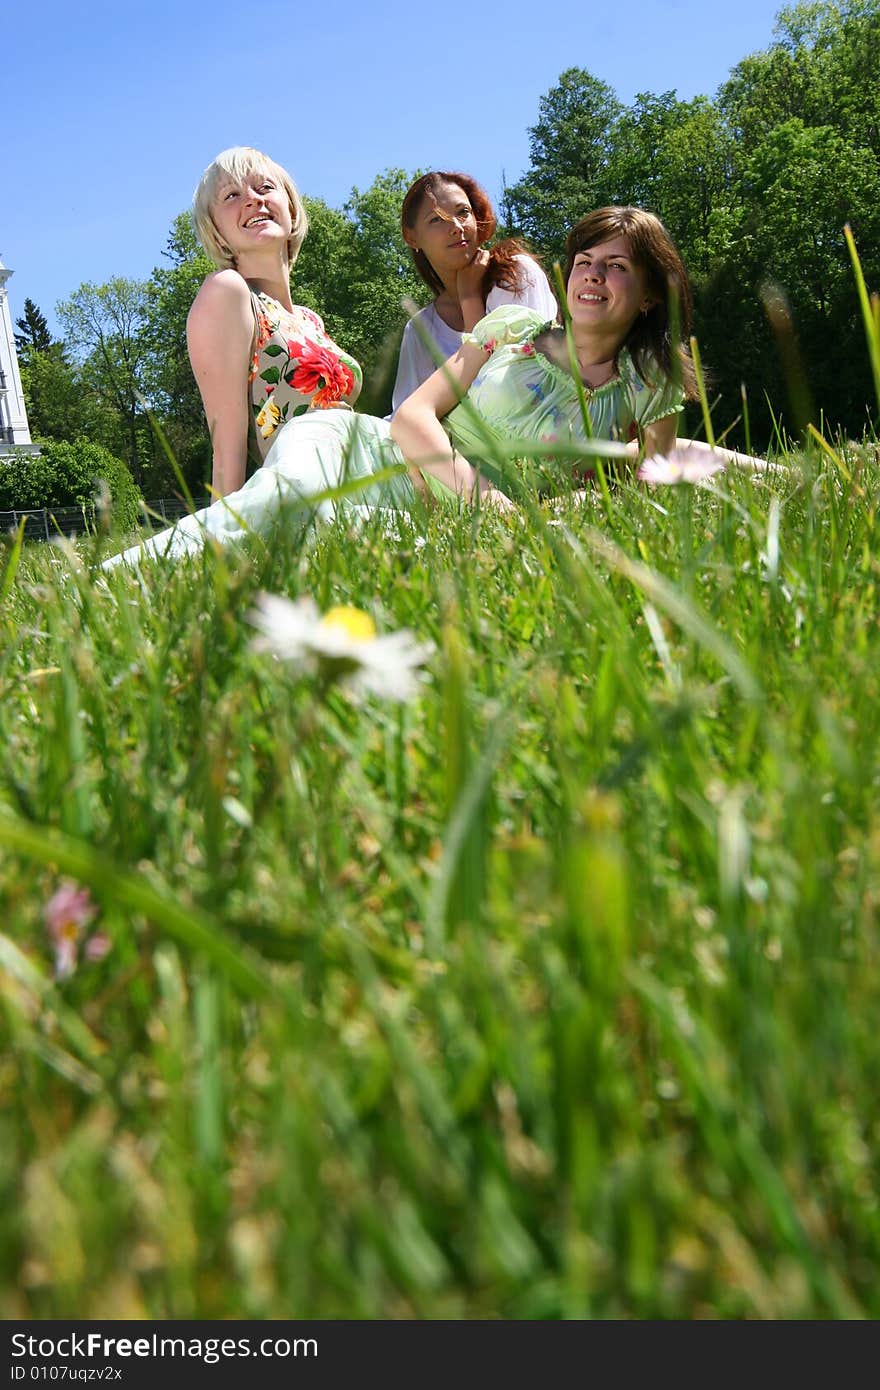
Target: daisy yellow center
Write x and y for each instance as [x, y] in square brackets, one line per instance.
[357, 625]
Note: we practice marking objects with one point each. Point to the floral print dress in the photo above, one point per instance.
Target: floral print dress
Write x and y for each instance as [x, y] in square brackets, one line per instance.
[295, 368]
[519, 393]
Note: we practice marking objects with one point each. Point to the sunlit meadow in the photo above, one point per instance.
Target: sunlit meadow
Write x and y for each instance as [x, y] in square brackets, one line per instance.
[542, 985]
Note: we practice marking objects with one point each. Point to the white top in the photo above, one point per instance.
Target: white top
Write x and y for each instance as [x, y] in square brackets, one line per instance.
[428, 341]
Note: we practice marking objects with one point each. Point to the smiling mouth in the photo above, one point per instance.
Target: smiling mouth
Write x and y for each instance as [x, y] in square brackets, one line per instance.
[591, 298]
[256, 221]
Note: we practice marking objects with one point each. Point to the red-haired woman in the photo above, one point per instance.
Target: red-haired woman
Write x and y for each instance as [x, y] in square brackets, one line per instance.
[446, 220]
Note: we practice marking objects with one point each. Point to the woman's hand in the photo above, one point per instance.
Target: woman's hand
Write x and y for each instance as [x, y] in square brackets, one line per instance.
[497, 500]
[469, 288]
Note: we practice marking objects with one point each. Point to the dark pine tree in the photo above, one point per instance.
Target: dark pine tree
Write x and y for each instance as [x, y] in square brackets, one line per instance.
[34, 335]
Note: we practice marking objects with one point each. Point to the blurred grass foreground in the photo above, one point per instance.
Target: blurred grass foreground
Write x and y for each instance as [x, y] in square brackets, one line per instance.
[526, 968]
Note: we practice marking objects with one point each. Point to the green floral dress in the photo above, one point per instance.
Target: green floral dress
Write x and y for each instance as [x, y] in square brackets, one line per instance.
[518, 393]
[521, 394]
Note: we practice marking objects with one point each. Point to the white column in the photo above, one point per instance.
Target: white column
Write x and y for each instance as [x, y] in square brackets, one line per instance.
[14, 428]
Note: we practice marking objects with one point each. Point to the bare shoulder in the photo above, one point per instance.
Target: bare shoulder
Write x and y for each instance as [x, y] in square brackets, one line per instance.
[224, 296]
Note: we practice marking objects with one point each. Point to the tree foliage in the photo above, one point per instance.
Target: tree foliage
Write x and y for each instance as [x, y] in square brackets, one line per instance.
[756, 188]
[105, 326]
[755, 185]
[571, 147]
[167, 377]
[59, 406]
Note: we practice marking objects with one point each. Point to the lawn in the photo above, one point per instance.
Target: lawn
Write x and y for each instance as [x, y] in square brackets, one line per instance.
[549, 991]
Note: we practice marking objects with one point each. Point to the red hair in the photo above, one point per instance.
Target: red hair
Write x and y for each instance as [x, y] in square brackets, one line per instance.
[502, 269]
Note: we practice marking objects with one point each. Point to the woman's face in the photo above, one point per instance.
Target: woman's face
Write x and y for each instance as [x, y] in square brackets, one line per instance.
[606, 289]
[445, 229]
[252, 214]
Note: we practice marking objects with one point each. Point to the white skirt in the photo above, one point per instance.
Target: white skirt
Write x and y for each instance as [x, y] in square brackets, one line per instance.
[334, 451]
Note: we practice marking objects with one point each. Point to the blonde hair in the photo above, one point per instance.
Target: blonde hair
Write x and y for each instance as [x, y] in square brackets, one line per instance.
[235, 165]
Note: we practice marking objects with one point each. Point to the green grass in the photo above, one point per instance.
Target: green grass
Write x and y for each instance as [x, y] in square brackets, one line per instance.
[552, 994]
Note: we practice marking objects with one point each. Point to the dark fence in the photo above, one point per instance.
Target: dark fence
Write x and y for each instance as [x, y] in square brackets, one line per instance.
[42, 523]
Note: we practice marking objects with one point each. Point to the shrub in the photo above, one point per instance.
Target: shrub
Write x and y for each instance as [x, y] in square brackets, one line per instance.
[66, 474]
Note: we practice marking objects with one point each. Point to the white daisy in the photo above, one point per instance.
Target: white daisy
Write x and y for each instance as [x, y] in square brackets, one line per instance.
[688, 463]
[342, 644]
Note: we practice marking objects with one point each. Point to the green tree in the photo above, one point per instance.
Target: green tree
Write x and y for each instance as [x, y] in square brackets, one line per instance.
[320, 277]
[636, 157]
[570, 155]
[33, 335]
[166, 372]
[104, 325]
[805, 183]
[801, 185]
[822, 69]
[695, 193]
[355, 271]
[797, 189]
[58, 405]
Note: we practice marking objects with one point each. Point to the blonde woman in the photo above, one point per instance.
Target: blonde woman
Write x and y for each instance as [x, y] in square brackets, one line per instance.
[258, 358]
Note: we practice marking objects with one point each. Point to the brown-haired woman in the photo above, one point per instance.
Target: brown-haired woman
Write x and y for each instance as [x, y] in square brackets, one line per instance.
[446, 220]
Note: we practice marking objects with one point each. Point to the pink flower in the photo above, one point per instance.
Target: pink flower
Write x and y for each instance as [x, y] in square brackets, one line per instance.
[688, 463]
[97, 946]
[67, 912]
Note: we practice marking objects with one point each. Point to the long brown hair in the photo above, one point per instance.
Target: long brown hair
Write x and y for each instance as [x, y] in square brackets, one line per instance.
[502, 269]
[658, 336]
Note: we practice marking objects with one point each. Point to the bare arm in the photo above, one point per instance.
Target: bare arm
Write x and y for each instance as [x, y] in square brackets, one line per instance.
[416, 426]
[469, 284]
[219, 334]
[697, 450]
[660, 437]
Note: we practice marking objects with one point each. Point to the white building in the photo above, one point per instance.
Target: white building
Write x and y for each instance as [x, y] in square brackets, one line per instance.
[14, 430]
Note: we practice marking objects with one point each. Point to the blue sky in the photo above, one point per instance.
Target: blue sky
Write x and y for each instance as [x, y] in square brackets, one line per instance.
[109, 112]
